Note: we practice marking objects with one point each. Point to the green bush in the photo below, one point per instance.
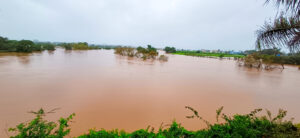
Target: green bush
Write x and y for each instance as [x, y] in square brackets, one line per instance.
[67, 46]
[80, 46]
[48, 46]
[40, 128]
[243, 126]
[221, 55]
[140, 52]
[238, 126]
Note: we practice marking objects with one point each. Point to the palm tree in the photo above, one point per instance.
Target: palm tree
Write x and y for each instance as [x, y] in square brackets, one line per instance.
[284, 30]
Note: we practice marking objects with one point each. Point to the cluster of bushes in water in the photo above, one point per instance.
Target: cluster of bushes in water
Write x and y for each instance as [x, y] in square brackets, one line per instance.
[238, 126]
[269, 57]
[7, 45]
[140, 52]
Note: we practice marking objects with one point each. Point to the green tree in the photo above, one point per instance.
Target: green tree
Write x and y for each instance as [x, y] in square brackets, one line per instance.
[25, 46]
[170, 49]
[67, 46]
[3, 43]
[48, 46]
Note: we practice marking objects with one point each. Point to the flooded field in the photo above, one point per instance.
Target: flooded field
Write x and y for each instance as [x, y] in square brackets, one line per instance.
[109, 91]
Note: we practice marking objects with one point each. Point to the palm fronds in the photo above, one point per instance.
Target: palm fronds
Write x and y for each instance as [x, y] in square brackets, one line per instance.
[284, 31]
[292, 6]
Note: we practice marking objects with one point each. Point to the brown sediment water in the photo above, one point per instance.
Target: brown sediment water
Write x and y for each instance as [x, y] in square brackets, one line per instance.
[108, 91]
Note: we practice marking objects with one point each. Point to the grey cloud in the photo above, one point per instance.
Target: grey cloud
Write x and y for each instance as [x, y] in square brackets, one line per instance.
[188, 24]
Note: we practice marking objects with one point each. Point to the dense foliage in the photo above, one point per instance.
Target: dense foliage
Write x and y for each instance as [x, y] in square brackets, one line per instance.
[170, 49]
[7, 45]
[269, 58]
[240, 126]
[40, 128]
[140, 52]
[145, 53]
[79, 46]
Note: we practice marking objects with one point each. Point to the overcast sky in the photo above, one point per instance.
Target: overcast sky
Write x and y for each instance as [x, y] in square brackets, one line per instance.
[187, 24]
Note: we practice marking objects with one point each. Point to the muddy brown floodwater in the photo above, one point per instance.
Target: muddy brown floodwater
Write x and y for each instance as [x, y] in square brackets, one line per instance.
[109, 91]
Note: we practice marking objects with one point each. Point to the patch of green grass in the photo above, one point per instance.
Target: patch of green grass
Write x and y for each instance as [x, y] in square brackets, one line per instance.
[202, 54]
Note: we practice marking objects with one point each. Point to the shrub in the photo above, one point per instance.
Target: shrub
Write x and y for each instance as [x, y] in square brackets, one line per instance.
[67, 46]
[140, 52]
[252, 60]
[249, 125]
[40, 128]
[48, 46]
[125, 51]
[80, 46]
[221, 55]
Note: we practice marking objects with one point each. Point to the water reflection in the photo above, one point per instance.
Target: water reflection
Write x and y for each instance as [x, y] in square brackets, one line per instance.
[50, 52]
[25, 60]
[137, 61]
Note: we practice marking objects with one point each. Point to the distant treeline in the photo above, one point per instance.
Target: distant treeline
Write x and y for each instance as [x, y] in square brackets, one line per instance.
[84, 46]
[7, 45]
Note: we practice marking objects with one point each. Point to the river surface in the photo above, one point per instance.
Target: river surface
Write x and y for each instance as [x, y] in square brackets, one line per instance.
[109, 91]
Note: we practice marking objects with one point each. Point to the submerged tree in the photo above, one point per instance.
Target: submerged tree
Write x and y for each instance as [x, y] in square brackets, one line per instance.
[284, 30]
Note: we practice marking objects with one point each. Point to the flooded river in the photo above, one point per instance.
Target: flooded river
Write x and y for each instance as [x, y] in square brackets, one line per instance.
[109, 91]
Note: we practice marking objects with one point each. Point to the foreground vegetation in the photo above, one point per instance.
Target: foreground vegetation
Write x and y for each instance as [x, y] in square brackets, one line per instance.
[248, 126]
